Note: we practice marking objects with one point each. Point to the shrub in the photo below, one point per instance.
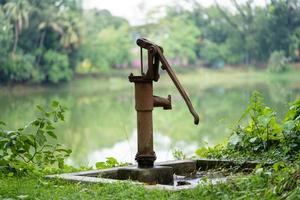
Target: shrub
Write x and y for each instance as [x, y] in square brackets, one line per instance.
[56, 66]
[278, 62]
[18, 67]
[259, 135]
[28, 148]
[211, 54]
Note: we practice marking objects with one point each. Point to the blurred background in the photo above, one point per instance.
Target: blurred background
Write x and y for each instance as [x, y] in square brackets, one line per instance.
[80, 53]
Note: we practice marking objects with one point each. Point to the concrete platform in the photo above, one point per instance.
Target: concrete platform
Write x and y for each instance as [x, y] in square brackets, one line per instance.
[152, 176]
[159, 177]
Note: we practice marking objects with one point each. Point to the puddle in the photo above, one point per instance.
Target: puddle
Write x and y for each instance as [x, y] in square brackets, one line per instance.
[200, 178]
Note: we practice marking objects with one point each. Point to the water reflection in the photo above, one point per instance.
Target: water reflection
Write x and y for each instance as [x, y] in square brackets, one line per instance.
[101, 114]
[125, 150]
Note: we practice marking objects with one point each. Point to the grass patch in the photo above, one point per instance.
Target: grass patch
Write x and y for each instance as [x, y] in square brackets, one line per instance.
[258, 186]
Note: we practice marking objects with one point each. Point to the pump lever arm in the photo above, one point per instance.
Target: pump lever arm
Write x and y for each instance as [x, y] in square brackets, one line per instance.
[167, 67]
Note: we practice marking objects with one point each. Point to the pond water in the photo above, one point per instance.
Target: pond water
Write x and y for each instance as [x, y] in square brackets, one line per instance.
[101, 120]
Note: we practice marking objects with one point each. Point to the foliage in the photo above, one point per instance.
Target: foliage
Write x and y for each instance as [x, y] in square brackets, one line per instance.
[248, 33]
[29, 148]
[280, 183]
[179, 155]
[97, 41]
[295, 47]
[18, 11]
[109, 163]
[259, 136]
[18, 67]
[262, 137]
[180, 43]
[108, 48]
[277, 62]
[212, 54]
[38, 28]
[56, 67]
[5, 36]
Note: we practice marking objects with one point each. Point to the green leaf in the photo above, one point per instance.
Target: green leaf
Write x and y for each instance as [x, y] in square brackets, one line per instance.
[288, 126]
[52, 134]
[55, 104]
[10, 174]
[101, 165]
[40, 138]
[111, 161]
[40, 108]
[235, 139]
[201, 152]
[60, 163]
[36, 122]
[50, 127]
[55, 119]
[253, 140]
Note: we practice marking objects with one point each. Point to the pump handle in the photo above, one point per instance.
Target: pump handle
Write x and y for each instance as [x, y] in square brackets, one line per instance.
[157, 52]
[167, 67]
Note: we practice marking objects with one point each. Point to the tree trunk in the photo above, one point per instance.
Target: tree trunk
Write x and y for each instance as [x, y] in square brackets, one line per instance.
[38, 60]
[298, 53]
[42, 39]
[16, 38]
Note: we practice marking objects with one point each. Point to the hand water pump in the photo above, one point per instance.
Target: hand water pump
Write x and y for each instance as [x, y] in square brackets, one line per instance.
[145, 101]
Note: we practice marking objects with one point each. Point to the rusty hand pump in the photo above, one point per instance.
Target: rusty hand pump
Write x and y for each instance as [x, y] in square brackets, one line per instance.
[145, 101]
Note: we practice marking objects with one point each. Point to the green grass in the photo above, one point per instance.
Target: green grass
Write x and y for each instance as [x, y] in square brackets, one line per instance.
[40, 188]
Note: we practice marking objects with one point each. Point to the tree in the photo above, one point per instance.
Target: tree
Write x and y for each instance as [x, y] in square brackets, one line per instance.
[295, 47]
[18, 11]
[5, 35]
[106, 41]
[179, 42]
[177, 35]
[111, 47]
[283, 22]
[51, 20]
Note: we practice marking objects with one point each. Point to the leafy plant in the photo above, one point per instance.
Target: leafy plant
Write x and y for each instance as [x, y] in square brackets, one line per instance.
[110, 162]
[57, 67]
[179, 155]
[18, 67]
[29, 148]
[262, 137]
[291, 129]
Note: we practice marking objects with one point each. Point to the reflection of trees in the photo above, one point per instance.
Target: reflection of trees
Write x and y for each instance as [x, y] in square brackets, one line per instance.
[98, 121]
[281, 89]
[94, 119]
[101, 115]
[222, 107]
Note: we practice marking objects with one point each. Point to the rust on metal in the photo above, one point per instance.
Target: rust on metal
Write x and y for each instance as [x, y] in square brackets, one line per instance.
[145, 101]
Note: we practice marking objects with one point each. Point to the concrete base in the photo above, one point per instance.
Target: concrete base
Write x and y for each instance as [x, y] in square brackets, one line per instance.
[156, 175]
[162, 175]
